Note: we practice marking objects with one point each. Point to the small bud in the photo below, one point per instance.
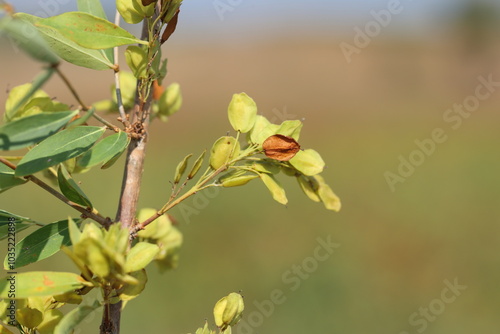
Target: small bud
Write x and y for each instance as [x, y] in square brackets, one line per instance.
[242, 112]
[228, 310]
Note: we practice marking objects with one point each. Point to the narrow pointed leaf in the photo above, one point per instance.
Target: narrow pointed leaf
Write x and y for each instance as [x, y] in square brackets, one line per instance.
[32, 129]
[70, 188]
[7, 219]
[90, 31]
[60, 147]
[41, 283]
[41, 244]
[67, 49]
[75, 317]
[107, 149]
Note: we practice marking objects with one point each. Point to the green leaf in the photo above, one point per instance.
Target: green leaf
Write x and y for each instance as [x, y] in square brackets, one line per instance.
[308, 162]
[140, 256]
[75, 317]
[68, 49]
[7, 218]
[8, 180]
[40, 284]
[70, 189]
[242, 112]
[32, 129]
[107, 150]
[94, 7]
[41, 244]
[28, 39]
[90, 31]
[274, 187]
[60, 147]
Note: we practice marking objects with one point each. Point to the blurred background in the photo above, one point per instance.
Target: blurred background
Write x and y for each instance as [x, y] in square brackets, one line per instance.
[367, 90]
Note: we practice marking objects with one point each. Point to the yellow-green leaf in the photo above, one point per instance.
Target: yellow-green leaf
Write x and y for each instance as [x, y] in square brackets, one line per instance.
[90, 31]
[40, 283]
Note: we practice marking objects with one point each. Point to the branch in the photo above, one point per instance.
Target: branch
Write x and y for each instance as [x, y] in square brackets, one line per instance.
[86, 213]
[82, 104]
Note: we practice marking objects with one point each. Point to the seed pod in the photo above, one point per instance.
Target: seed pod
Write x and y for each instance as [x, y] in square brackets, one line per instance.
[181, 168]
[309, 186]
[280, 147]
[228, 310]
[326, 194]
[308, 162]
[239, 180]
[170, 101]
[275, 188]
[140, 256]
[242, 112]
[137, 60]
[224, 149]
[196, 166]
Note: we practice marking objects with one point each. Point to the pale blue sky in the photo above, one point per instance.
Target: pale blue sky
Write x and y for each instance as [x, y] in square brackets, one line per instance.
[265, 17]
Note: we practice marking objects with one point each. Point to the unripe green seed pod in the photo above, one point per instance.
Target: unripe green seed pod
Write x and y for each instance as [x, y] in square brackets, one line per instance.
[170, 101]
[224, 149]
[242, 112]
[228, 310]
[239, 180]
[137, 60]
[196, 166]
[308, 162]
[181, 168]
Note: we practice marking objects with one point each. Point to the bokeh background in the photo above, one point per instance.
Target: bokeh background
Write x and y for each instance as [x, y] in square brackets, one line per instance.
[397, 246]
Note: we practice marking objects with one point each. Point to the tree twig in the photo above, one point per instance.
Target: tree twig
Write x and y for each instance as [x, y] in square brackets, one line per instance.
[86, 213]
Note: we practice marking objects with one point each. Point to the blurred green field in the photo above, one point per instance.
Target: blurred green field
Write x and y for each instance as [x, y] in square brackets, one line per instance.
[396, 250]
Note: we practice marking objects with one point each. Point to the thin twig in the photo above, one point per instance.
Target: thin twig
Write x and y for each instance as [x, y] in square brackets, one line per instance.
[84, 211]
[82, 104]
